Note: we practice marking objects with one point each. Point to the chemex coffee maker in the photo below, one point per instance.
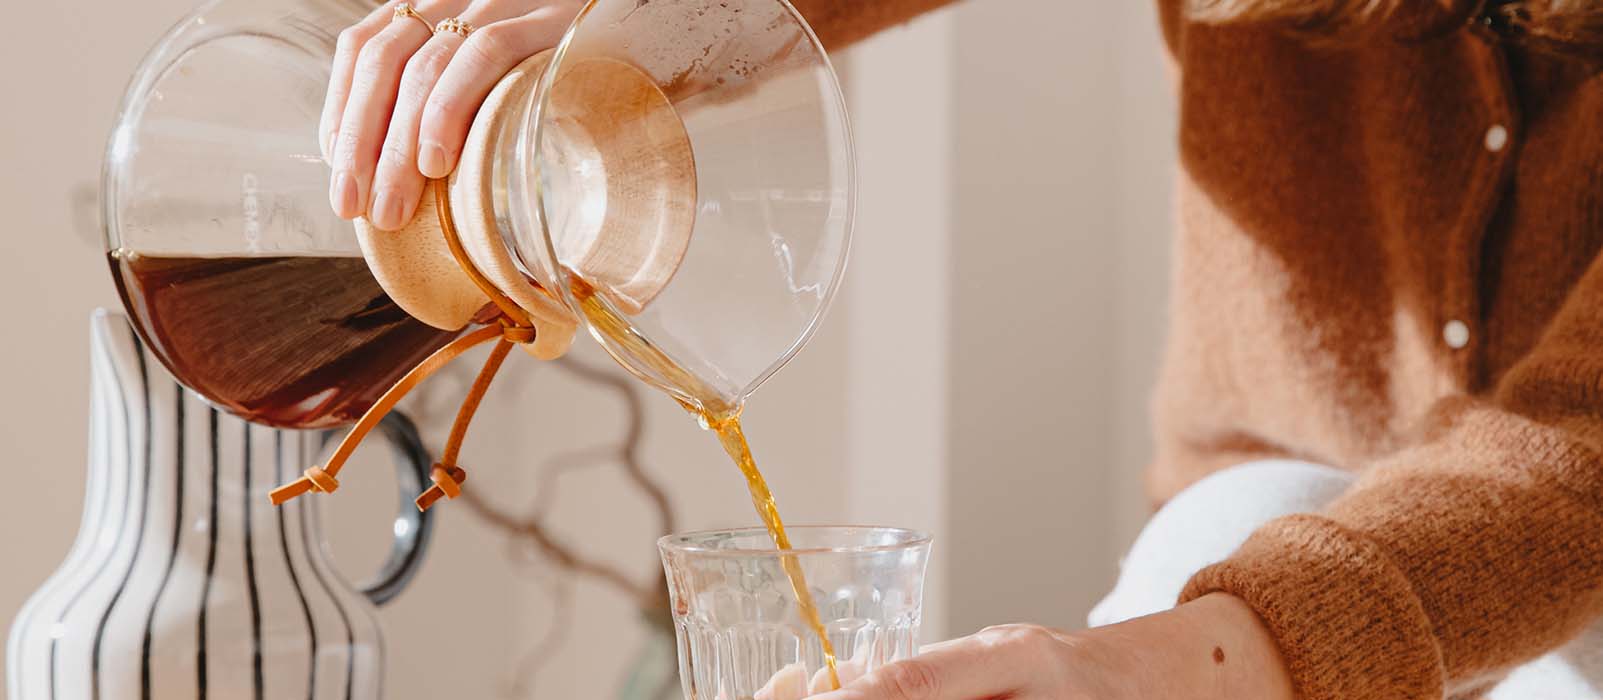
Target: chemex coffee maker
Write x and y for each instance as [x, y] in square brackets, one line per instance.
[675, 177]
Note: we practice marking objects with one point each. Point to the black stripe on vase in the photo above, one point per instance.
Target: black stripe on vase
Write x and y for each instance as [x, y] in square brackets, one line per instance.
[211, 562]
[289, 565]
[333, 597]
[128, 464]
[250, 574]
[179, 464]
[139, 528]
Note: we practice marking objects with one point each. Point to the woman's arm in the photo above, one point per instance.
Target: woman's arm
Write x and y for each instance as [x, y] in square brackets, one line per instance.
[1213, 647]
[1456, 560]
[1450, 563]
[839, 23]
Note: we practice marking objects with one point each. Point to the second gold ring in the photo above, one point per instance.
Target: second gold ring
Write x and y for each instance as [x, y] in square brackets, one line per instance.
[454, 26]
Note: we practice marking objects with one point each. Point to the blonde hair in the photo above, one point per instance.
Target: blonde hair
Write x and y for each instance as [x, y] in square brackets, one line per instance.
[1560, 21]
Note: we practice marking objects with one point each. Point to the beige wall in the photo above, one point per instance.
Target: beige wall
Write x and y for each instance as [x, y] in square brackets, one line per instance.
[983, 377]
[894, 299]
[1056, 293]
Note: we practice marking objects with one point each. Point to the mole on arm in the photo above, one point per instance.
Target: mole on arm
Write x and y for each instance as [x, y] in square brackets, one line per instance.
[1218, 655]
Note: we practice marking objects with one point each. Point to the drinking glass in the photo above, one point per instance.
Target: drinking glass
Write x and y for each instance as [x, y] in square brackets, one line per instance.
[740, 631]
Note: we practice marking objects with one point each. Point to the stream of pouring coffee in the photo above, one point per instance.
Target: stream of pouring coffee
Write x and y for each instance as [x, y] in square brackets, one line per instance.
[725, 422]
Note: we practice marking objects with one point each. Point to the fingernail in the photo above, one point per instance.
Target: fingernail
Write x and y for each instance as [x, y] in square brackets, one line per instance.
[342, 194]
[387, 210]
[431, 160]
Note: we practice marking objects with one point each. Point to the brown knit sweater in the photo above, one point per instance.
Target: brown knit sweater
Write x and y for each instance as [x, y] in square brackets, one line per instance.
[1388, 261]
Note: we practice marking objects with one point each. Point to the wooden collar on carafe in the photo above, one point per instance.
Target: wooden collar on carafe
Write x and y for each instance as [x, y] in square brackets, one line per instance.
[504, 322]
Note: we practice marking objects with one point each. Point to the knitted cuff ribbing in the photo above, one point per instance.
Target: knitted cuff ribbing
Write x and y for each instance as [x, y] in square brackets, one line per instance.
[1346, 620]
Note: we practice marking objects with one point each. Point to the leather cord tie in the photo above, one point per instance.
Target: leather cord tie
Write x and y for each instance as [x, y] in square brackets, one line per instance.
[322, 482]
[509, 326]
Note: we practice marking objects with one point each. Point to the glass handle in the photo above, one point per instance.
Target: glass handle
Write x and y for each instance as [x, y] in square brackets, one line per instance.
[412, 527]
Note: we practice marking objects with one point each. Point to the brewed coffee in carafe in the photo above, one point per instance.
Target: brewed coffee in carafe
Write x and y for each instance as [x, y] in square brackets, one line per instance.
[292, 342]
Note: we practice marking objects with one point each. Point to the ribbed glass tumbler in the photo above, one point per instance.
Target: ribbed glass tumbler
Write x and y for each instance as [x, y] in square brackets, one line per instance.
[742, 634]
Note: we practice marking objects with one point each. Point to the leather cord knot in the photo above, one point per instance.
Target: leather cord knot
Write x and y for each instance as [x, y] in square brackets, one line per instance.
[313, 479]
[516, 333]
[447, 485]
[322, 481]
[450, 483]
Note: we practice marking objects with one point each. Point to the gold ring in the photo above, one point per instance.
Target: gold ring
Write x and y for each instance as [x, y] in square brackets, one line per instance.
[406, 10]
[454, 26]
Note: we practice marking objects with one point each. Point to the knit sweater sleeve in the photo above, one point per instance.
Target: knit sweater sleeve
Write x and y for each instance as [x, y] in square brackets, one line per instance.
[1452, 561]
[840, 23]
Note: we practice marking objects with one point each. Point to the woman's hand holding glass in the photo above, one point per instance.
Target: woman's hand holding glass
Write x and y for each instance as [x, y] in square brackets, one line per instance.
[1213, 647]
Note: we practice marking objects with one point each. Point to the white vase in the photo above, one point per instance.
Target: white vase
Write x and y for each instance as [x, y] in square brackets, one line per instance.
[184, 582]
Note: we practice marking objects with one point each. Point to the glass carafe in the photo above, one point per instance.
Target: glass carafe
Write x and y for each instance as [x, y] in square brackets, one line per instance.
[257, 296]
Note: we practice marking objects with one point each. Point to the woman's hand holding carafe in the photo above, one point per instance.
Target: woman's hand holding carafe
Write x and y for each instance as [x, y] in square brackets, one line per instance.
[402, 96]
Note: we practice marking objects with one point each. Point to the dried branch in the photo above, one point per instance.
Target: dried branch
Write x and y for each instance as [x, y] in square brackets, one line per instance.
[537, 656]
[531, 528]
[629, 448]
[648, 596]
[560, 553]
[549, 471]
